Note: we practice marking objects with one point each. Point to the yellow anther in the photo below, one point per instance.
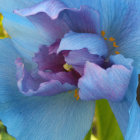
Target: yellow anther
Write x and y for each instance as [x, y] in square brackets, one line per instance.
[111, 39]
[105, 38]
[3, 33]
[103, 33]
[114, 45]
[67, 67]
[77, 98]
[117, 52]
[76, 95]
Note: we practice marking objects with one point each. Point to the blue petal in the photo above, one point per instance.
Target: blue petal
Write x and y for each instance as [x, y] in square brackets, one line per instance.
[111, 18]
[54, 118]
[14, 4]
[24, 35]
[110, 83]
[83, 20]
[76, 41]
[133, 130]
[121, 109]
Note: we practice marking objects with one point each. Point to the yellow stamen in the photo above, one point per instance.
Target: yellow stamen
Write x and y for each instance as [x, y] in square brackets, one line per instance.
[3, 33]
[103, 33]
[111, 39]
[67, 67]
[76, 95]
[105, 38]
[117, 52]
[77, 98]
[114, 45]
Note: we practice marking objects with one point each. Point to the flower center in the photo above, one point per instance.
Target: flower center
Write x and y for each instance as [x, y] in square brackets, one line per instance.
[111, 39]
[67, 67]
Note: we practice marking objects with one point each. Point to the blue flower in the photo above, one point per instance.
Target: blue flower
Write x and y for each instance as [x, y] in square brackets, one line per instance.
[88, 51]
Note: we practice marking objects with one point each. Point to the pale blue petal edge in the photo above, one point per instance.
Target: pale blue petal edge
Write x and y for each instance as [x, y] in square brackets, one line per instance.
[121, 109]
[133, 131]
[75, 41]
[26, 38]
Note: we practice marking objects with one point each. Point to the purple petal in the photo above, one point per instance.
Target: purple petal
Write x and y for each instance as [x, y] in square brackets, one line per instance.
[48, 61]
[51, 7]
[110, 83]
[41, 15]
[53, 48]
[78, 58]
[64, 77]
[84, 19]
[76, 41]
[33, 84]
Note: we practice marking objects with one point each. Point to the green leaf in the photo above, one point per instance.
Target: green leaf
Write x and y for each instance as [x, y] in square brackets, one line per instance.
[107, 126]
[3, 133]
[88, 136]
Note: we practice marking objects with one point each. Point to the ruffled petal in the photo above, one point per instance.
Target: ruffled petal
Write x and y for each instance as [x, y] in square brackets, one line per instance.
[41, 15]
[83, 20]
[64, 77]
[54, 9]
[110, 83]
[55, 118]
[32, 84]
[48, 61]
[78, 58]
[76, 41]
[51, 7]
[121, 109]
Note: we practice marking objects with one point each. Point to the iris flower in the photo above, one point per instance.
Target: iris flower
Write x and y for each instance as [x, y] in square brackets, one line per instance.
[68, 53]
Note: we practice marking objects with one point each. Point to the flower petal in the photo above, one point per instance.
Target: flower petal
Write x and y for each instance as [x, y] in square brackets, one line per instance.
[86, 16]
[41, 13]
[14, 4]
[48, 61]
[111, 84]
[76, 41]
[8, 54]
[78, 58]
[57, 117]
[64, 77]
[32, 84]
[134, 122]
[121, 109]
[25, 36]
